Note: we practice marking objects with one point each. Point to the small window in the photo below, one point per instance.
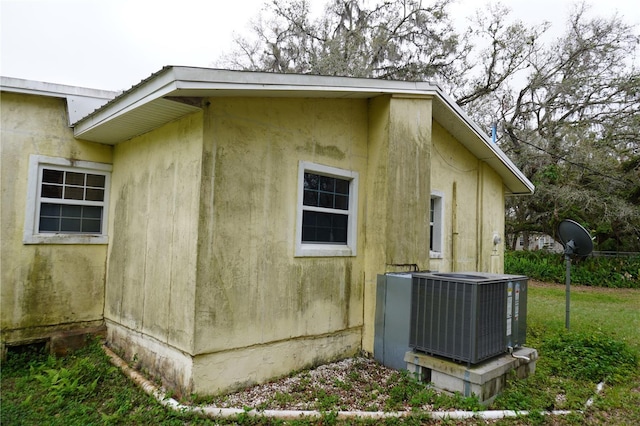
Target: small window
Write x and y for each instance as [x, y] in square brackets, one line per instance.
[67, 201]
[436, 225]
[327, 208]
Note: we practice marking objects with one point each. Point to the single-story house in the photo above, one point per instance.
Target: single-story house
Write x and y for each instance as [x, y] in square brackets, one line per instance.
[227, 227]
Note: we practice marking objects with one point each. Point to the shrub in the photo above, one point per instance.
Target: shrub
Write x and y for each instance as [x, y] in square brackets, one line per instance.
[616, 272]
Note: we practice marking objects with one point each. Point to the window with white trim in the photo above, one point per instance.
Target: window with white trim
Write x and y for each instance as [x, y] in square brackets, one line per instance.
[327, 211]
[436, 224]
[67, 201]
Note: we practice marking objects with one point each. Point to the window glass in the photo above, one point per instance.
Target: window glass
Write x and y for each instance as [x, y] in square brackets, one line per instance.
[51, 191]
[329, 193]
[67, 201]
[70, 218]
[52, 176]
[71, 193]
[324, 227]
[97, 181]
[327, 210]
[72, 178]
[73, 187]
[436, 225]
[325, 191]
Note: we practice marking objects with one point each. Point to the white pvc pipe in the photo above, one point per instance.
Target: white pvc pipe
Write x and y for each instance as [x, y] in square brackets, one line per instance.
[213, 412]
[598, 390]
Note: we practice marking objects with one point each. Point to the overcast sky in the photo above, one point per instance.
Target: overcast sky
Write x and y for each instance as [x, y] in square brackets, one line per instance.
[113, 44]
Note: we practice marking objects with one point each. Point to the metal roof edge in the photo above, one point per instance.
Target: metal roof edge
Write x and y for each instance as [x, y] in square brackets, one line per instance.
[80, 100]
[155, 86]
[171, 79]
[41, 88]
[299, 81]
[486, 140]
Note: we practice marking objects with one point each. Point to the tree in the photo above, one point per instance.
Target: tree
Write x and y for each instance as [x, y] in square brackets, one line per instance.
[401, 40]
[573, 129]
[567, 111]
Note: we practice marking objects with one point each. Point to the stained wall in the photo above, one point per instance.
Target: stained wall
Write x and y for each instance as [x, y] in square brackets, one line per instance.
[45, 288]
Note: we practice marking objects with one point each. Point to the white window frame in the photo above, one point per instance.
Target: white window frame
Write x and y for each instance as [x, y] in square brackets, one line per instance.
[32, 212]
[310, 249]
[437, 198]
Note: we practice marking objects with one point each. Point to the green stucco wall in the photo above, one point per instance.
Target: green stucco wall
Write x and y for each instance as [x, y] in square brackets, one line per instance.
[154, 232]
[254, 308]
[151, 281]
[46, 288]
[473, 197]
[397, 194]
[253, 292]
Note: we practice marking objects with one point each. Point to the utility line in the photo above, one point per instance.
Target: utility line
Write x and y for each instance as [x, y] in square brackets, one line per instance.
[560, 157]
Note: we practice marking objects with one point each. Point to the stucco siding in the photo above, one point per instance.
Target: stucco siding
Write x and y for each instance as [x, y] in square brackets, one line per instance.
[45, 287]
[252, 289]
[473, 207]
[154, 210]
[231, 370]
[202, 276]
[397, 193]
[408, 182]
[493, 217]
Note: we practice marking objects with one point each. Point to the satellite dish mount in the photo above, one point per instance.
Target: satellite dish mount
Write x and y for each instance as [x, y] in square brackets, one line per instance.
[576, 241]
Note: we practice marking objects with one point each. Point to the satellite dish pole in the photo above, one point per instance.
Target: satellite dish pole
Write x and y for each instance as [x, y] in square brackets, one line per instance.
[568, 251]
[576, 240]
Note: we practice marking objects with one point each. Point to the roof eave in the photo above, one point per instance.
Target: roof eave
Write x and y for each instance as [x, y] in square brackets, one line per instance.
[80, 100]
[172, 82]
[148, 105]
[516, 183]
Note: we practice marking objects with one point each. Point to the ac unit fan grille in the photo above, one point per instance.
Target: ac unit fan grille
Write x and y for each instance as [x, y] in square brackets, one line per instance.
[464, 320]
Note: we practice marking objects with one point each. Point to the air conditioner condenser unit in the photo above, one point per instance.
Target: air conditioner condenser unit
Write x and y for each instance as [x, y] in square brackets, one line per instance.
[467, 317]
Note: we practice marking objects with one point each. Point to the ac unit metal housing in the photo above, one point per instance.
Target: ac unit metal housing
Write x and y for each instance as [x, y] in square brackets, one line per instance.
[467, 317]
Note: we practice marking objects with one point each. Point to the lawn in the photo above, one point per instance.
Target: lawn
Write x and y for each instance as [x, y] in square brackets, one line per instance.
[609, 310]
[603, 344]
[605, 330]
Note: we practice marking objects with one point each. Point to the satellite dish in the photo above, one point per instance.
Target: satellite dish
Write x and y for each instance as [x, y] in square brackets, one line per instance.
[576, 241]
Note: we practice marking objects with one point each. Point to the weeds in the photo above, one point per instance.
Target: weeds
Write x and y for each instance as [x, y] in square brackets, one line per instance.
[80, 389]
[570, 366]
[592, 357]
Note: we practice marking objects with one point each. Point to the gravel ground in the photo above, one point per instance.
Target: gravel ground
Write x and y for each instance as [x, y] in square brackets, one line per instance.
[353, 384]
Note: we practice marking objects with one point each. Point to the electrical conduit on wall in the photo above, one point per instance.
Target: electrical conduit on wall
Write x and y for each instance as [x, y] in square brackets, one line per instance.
[213, 412]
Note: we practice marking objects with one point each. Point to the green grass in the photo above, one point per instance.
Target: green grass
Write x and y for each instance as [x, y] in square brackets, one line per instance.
[604, 342]
[612, 311]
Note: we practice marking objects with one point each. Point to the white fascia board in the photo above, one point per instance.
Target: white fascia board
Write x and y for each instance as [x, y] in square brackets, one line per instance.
[215, 79]
[493, 151]
[159, 85]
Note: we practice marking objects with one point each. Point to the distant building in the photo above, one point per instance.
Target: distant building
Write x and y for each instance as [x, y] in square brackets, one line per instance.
[538, 241]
